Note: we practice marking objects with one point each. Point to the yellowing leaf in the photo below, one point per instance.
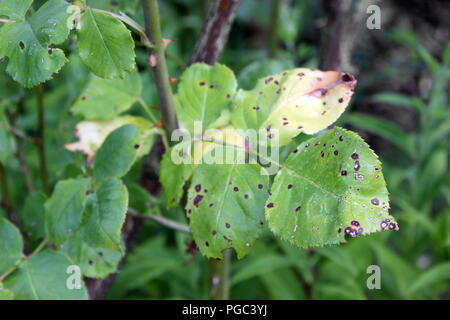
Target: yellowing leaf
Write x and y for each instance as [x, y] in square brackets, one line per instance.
[290, 102]
[91, 134]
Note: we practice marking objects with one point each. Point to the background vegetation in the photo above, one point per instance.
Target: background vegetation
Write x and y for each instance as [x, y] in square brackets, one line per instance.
[400, 108]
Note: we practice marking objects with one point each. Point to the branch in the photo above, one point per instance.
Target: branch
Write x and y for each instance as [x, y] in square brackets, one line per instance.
[161, 220]
[160, 73]
[273, 35]
[214, 33]
[209, 46]
[220, 277]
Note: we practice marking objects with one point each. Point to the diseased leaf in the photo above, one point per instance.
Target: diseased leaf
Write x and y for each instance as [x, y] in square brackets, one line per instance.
[14, 9]
[288, 103]
[227, 211]
[107, 215]
[329, 187]
[105, 99]
[33, 215]
[28, 43]
[117, 153]
[11, 245]
[64, 209]
[92, 134]
[93, 262]
[43, 277]
[203, 94]
[105, 45]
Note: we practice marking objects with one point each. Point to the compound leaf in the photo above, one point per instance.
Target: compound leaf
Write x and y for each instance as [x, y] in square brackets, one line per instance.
[290, 102]
[105, 45]
[330, 186]
[27, 43]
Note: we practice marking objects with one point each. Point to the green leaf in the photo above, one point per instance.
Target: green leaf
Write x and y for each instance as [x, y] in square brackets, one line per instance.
[107, 215]
[227, 211]
[330, 186]
[203, 94]
[117, 153]
[43, 277]
[94, 262]
[27, 43]
[437, 274]
[288, 103]
[14, 9]
[92, 134]
[105, 45]
[105, 99]
[64, 209]
[33, 215]
[5, 294]
[11, 245]
[174, 173]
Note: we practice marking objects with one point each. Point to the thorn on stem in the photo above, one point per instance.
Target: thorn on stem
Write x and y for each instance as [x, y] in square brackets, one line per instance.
[166, 42]
[152, 60]
[173, 80]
